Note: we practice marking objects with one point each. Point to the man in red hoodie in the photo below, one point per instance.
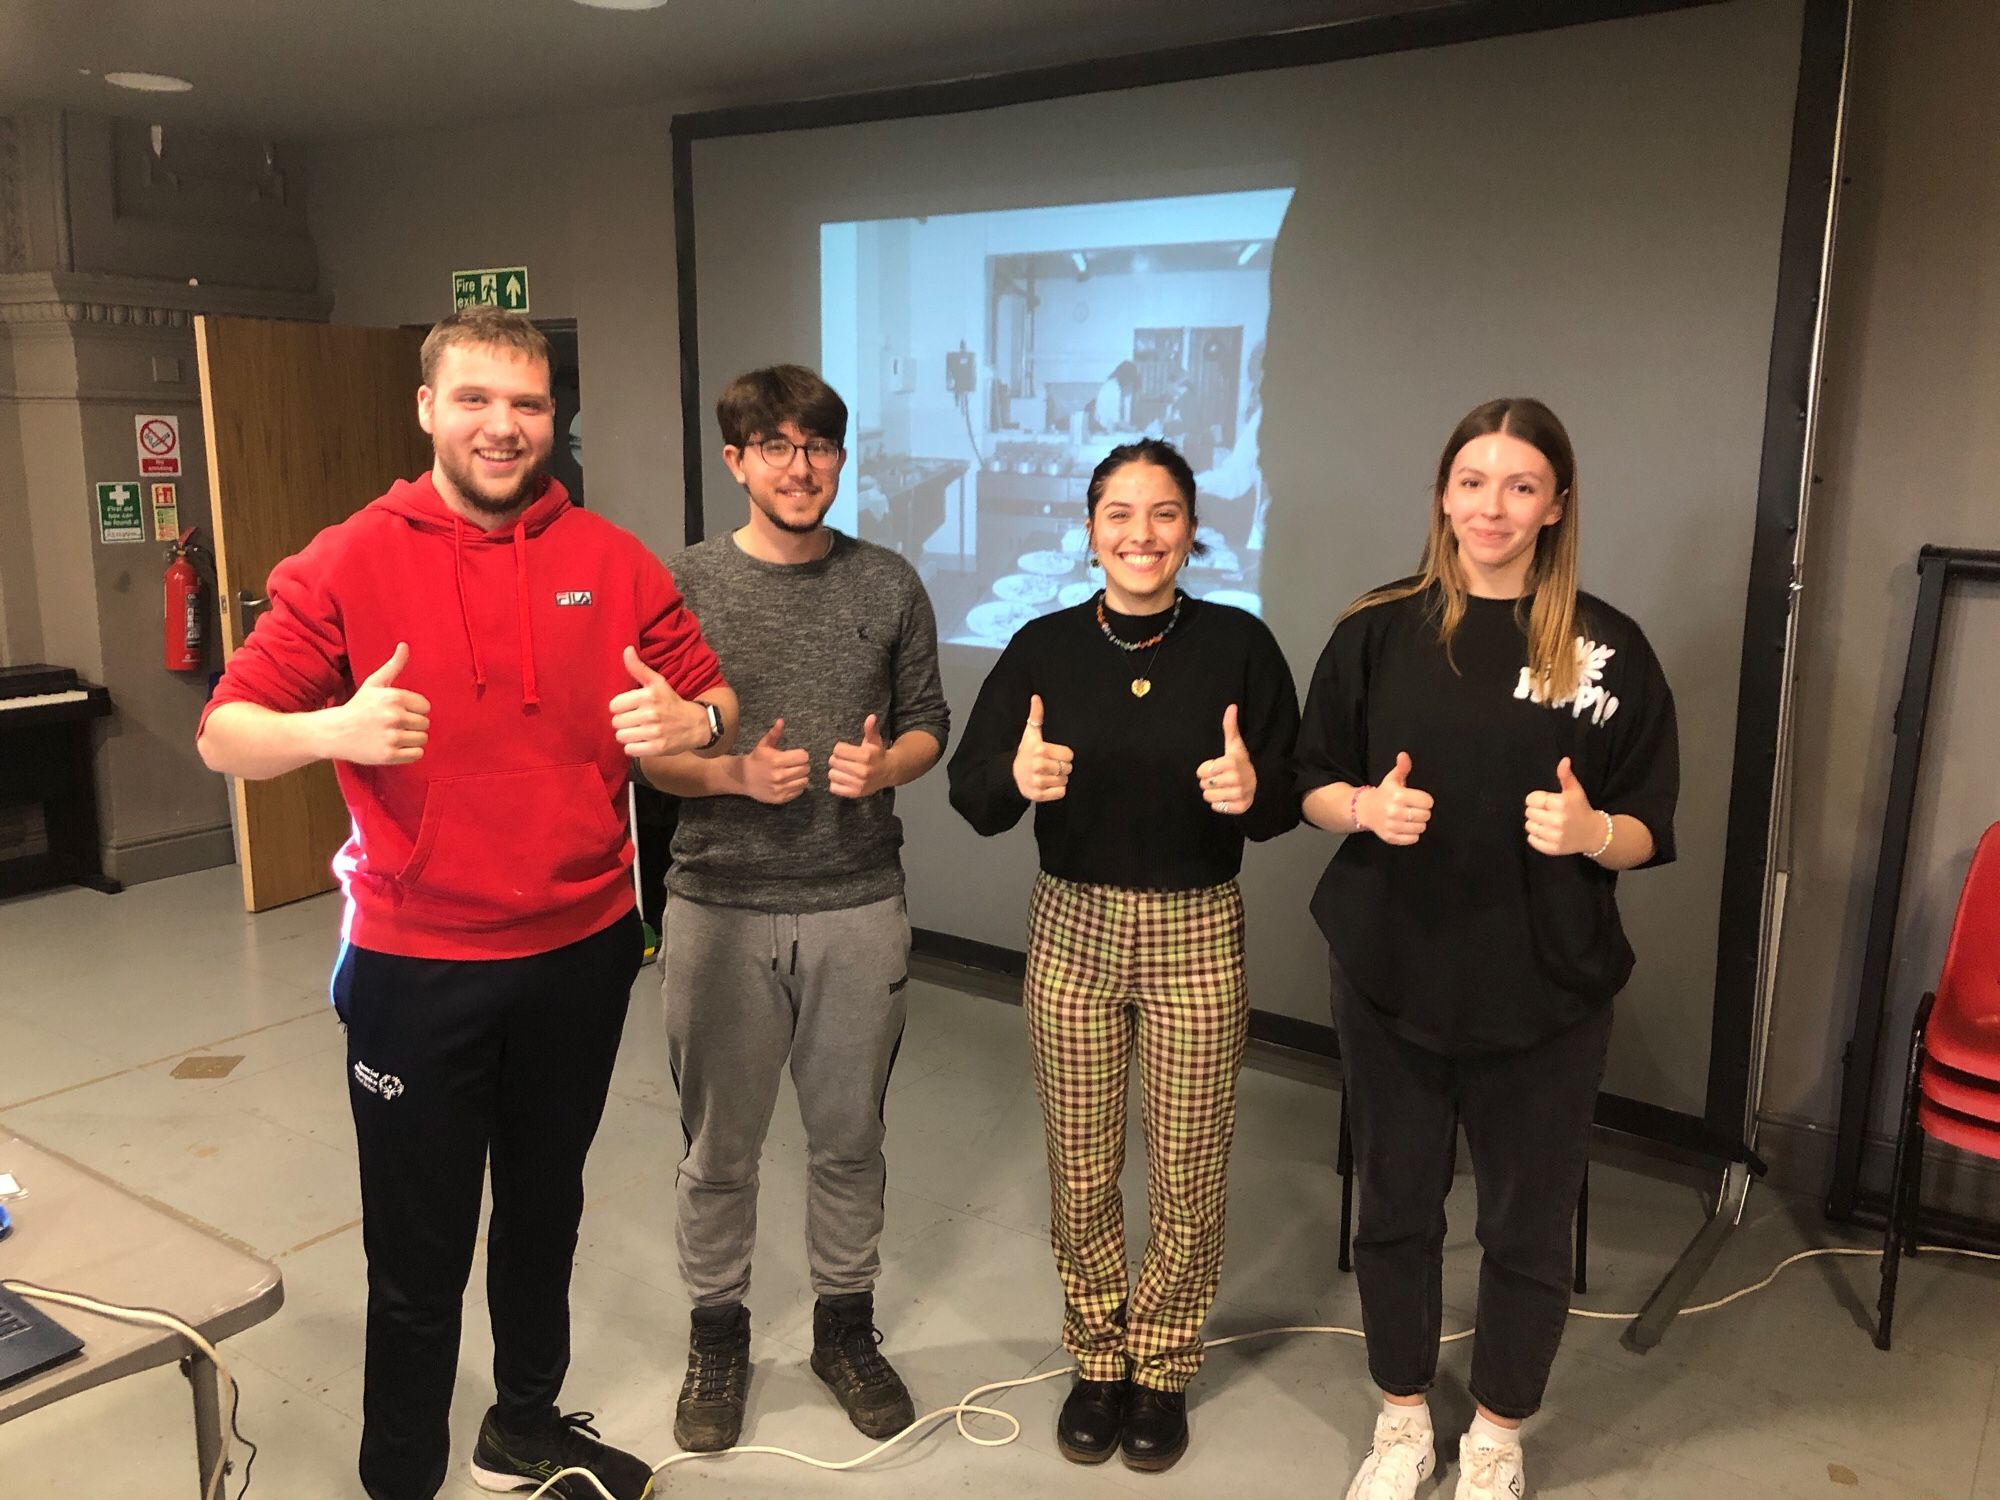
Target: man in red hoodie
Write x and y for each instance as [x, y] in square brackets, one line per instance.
[480, 660]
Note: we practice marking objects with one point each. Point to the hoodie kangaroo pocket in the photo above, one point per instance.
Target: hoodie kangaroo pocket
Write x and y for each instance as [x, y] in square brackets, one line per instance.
[499, 845]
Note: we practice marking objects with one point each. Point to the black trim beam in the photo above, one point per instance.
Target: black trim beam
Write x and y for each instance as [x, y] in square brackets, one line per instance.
[1370, 36]
[1935, 1226]
[1675, 1132]
[693, 527]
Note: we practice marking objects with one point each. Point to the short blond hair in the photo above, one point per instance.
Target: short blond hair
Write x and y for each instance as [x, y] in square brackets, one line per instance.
[483, 327]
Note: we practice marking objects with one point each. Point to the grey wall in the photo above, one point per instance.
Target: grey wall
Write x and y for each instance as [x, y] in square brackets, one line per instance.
[586, 202]
[1910, 453]
[113, 245]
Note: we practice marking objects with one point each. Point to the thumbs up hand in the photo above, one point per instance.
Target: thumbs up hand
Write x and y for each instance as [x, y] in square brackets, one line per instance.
[859, 770]
[1563, 821]
[1395, 812]
[652, 719]
[1041, 770]
[382, 724]
[773, 775]
[1229, 782]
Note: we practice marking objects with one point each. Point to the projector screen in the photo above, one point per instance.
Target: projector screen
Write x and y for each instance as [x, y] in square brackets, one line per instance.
[1102, 323]
[1304, 276]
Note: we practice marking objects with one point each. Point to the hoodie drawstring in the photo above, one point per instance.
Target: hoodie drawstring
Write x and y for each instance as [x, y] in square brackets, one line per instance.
[529, 694]
[465, 610]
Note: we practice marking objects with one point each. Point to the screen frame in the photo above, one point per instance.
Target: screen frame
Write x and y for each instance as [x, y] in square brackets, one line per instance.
[1722, 1132]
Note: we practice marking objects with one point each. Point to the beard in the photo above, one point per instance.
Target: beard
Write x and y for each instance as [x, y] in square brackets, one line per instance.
[784, 523]
[534, 480]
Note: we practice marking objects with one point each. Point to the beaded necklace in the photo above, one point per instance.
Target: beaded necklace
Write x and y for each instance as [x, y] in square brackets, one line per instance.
[1143, 683]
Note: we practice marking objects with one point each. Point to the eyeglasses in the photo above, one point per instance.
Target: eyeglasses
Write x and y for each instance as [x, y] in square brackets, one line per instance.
[821, 453]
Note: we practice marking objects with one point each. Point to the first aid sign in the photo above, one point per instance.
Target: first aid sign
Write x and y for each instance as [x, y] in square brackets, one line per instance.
[159, 446]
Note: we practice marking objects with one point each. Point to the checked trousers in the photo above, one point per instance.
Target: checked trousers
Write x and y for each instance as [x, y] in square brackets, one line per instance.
[1112, 971]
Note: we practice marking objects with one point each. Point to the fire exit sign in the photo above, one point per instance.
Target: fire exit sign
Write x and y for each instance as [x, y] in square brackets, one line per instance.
[503, 287]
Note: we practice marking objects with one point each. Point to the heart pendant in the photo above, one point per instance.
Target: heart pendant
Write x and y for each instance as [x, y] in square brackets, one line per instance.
[1140, 687]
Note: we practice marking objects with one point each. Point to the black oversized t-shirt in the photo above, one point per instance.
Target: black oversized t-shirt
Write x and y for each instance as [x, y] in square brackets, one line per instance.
[1468, 941]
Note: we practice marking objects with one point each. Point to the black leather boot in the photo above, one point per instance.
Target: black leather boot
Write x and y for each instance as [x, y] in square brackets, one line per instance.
[1092, 1420]
[1156, 1430]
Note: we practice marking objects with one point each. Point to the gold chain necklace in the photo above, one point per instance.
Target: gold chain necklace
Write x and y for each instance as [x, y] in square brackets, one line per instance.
[1143, 683]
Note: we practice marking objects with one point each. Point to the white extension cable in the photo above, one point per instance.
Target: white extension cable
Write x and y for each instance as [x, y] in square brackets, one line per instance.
[212, 1490]
[967, 1405]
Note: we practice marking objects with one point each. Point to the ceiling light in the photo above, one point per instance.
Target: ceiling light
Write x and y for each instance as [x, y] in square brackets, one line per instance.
[1249, 252]
[623, 4]
[1076, 259]
[149, 83]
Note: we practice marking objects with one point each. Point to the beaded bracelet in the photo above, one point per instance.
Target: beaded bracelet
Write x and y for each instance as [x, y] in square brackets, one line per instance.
[1610, 833]
[1354, 805]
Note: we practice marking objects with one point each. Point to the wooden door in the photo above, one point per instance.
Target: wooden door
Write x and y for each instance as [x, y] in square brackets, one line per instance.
[306, 423]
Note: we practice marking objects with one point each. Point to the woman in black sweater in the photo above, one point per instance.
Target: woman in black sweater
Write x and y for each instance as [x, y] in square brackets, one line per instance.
[1496, 746]
[1157, 731]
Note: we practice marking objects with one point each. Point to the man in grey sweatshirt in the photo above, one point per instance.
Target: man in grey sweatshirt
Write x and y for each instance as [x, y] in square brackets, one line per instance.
[786, 935]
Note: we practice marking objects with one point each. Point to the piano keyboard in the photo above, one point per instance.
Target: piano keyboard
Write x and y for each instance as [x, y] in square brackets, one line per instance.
[43, 700]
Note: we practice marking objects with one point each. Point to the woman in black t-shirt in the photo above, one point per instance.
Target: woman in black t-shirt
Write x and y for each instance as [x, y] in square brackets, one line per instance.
[1496, 745]
[1157, 734]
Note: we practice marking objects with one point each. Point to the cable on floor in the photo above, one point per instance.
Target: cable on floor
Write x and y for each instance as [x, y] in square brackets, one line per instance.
[967, 1405]
[153, 1317]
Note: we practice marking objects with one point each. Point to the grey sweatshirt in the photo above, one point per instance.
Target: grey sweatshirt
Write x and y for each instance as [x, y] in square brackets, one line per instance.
[821, 645]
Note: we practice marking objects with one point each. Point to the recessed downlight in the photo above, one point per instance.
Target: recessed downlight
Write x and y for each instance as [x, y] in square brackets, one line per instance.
[623, 4]
[149, 83]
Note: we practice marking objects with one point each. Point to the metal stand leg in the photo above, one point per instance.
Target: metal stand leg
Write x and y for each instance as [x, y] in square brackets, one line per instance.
[1672, 1294]
[1901, 1211]
[200, 1372]
[1344, 1164]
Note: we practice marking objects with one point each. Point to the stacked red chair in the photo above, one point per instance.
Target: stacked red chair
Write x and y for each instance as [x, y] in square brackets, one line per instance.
[1952, 1092]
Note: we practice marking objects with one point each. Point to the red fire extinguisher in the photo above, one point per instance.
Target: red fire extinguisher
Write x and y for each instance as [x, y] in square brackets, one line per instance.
[186, 626]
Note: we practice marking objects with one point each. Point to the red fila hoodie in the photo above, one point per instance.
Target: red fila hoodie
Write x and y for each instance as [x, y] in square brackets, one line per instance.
[509, 836]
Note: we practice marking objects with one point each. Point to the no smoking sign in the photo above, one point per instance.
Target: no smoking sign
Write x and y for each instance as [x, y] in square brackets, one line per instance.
[159, 446]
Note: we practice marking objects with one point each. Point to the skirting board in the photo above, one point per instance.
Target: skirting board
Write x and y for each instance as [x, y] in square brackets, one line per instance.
[170, 854]
[1800, 1156]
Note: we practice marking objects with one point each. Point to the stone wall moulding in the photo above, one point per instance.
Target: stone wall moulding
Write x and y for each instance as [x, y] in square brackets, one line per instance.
[79, 298]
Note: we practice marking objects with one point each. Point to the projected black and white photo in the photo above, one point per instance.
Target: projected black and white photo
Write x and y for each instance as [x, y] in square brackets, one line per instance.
[991, 359]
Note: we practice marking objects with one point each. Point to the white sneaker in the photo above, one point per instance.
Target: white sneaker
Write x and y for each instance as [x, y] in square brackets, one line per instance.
[1400, 1459]
[1489, 1471]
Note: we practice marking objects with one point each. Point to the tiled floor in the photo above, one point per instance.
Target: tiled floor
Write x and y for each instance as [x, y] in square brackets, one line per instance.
[1781, 1394]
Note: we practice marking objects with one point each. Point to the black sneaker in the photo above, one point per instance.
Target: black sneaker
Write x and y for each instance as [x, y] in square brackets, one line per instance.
[507, 1459]
[709, 1415]
[846, 1355]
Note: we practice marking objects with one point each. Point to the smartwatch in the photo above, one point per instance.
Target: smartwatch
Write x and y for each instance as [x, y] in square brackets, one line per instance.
[714, 726]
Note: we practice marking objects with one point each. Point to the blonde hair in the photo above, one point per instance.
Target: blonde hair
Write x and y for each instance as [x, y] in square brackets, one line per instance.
[1547, 607]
